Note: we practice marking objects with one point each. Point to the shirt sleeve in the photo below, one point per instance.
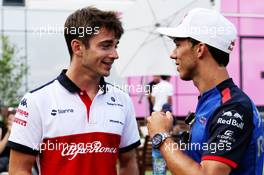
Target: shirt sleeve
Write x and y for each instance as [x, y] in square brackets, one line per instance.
[229, 135]
[26, 129]
[130, 138]
[170, 90]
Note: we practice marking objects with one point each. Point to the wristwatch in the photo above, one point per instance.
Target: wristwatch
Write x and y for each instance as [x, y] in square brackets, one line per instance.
[159, 138]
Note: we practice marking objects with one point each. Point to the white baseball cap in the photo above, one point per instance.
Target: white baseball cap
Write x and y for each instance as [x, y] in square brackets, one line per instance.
[207, 26]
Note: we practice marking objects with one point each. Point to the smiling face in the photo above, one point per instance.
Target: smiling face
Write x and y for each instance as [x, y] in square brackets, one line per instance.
[185, 58]
[98, 58]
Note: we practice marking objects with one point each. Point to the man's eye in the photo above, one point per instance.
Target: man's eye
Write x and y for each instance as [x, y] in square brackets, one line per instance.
[106, 46]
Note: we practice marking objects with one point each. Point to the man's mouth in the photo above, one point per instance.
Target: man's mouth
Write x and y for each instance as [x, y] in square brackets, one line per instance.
[178, 67]
[108, 63]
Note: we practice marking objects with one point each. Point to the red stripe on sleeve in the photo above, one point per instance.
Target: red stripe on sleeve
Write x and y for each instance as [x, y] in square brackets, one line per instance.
[221, 159]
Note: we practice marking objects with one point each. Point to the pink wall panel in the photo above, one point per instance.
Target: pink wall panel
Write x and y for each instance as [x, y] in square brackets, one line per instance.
[173, 81]
[251, 26]
[186, 87]
[251, 6]
[185, 104]
[135, 84]
[229, 6]
[138, 95]
[141, 109]
[253, 64]
[251, 49]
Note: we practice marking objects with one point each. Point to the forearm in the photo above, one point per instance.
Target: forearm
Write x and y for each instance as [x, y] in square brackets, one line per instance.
[128, 163]
[177, 161]
[19, 172]
[4, 141]
[129, 168]
[20, 163]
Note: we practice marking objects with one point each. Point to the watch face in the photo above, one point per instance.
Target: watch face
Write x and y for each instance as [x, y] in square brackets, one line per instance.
[156, 140]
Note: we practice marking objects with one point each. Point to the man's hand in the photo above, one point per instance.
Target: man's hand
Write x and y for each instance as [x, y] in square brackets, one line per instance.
[159, 122]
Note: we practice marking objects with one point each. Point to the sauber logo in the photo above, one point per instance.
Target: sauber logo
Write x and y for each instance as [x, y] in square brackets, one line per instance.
[113, 99]
[113, 102]
[71, 151]
[61, 111]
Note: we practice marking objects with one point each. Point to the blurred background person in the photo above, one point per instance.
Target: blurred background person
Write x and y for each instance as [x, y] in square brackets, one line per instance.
[150, 85]
[5, 129]
[162, 93]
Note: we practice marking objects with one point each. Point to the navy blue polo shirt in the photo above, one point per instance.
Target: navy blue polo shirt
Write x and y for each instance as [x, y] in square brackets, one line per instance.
[228, 129]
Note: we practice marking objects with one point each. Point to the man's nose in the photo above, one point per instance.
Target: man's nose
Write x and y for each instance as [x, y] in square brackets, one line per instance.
[173, 56]
[114, 54]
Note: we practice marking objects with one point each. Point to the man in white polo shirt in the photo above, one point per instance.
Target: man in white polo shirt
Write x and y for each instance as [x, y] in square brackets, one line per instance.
[78, 124]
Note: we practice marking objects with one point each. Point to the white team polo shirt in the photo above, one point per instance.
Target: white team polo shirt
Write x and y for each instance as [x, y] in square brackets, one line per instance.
[69, 133]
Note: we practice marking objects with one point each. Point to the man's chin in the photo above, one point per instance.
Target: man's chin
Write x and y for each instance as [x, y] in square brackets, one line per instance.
[106, 74]
[185, 78]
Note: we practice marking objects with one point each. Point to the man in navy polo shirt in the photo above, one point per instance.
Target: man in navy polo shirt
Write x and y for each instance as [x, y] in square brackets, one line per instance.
[78, 124]
[227, 133]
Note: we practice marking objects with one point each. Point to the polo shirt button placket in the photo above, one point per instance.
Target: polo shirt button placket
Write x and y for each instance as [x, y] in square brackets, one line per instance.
[87, 102]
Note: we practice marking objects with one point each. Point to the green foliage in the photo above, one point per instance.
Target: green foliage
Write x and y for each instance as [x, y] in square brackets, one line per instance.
[12, 72]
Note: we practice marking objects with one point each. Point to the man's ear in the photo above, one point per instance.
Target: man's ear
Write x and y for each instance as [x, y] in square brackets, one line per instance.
[76, 46]
[201, 49]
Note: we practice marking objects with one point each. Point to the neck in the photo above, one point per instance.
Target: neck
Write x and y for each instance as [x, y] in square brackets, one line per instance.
[84, 80]
[210, 77]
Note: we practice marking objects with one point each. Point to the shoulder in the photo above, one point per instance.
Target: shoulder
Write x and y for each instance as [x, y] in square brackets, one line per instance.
[43, 87]
[231, 94]
[239, 102]
[39, 94]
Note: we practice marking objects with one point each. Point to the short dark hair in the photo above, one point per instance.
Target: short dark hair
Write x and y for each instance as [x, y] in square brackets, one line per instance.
[221, 57]
[90, 19]
[164, 77]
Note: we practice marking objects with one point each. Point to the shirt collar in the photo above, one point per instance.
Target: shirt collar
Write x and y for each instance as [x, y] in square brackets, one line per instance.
[224, 84]
[71, 87]
[221, 86]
